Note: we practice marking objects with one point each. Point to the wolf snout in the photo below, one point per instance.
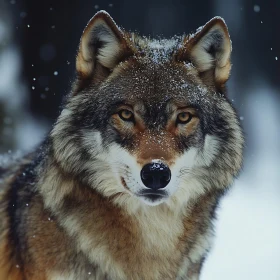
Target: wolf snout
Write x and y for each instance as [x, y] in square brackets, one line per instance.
[155, 175]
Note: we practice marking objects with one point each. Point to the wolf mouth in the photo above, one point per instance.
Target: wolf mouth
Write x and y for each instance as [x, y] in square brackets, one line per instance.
[153, 195]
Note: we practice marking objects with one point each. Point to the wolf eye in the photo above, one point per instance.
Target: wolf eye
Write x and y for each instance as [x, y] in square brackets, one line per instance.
[126, 115]
[184, 117]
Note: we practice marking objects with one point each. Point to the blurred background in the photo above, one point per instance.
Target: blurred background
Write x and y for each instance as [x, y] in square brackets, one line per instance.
[38, 43]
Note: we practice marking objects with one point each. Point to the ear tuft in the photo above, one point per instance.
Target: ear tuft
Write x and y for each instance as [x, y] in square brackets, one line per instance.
[209, 49]
[102, 44]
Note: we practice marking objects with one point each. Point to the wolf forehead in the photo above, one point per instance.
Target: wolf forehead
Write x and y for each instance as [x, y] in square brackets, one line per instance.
[153, 73]
[150, 83]
[154, 90]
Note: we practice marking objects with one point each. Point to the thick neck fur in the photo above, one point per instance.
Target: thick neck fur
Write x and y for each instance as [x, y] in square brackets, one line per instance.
[128, 242]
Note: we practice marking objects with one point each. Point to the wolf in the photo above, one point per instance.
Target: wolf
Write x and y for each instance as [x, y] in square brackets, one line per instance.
[127, 183]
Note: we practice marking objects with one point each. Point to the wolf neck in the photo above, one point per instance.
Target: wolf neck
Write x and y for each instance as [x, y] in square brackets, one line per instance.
[107, 233]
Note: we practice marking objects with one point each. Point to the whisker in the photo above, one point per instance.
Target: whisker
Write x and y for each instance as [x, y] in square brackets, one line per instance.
[185, 171]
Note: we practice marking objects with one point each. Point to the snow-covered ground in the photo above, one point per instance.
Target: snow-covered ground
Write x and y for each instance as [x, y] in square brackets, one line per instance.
[247, 242]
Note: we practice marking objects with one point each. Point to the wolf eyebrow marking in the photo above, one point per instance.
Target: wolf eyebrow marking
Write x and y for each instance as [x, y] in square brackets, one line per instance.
[117, 104]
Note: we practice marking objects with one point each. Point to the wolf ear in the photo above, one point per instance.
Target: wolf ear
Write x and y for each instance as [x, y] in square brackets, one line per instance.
[102, 47]
[209, 50]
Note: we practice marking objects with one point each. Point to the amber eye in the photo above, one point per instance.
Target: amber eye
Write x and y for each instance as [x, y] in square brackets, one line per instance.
[184, 117]
[126, 115]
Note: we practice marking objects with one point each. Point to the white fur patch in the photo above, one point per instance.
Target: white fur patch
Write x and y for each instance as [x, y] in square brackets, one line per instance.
[160, 226]
[210, 150]
[93, 142]
[203, 60]
[202, 245]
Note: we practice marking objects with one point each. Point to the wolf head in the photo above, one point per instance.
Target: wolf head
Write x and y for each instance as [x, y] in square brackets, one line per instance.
[148, 121]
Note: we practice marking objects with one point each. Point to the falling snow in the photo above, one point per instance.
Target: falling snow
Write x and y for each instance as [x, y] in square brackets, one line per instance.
[257, 8]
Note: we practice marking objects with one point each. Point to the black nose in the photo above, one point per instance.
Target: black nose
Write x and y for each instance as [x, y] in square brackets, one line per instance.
[155, 175]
